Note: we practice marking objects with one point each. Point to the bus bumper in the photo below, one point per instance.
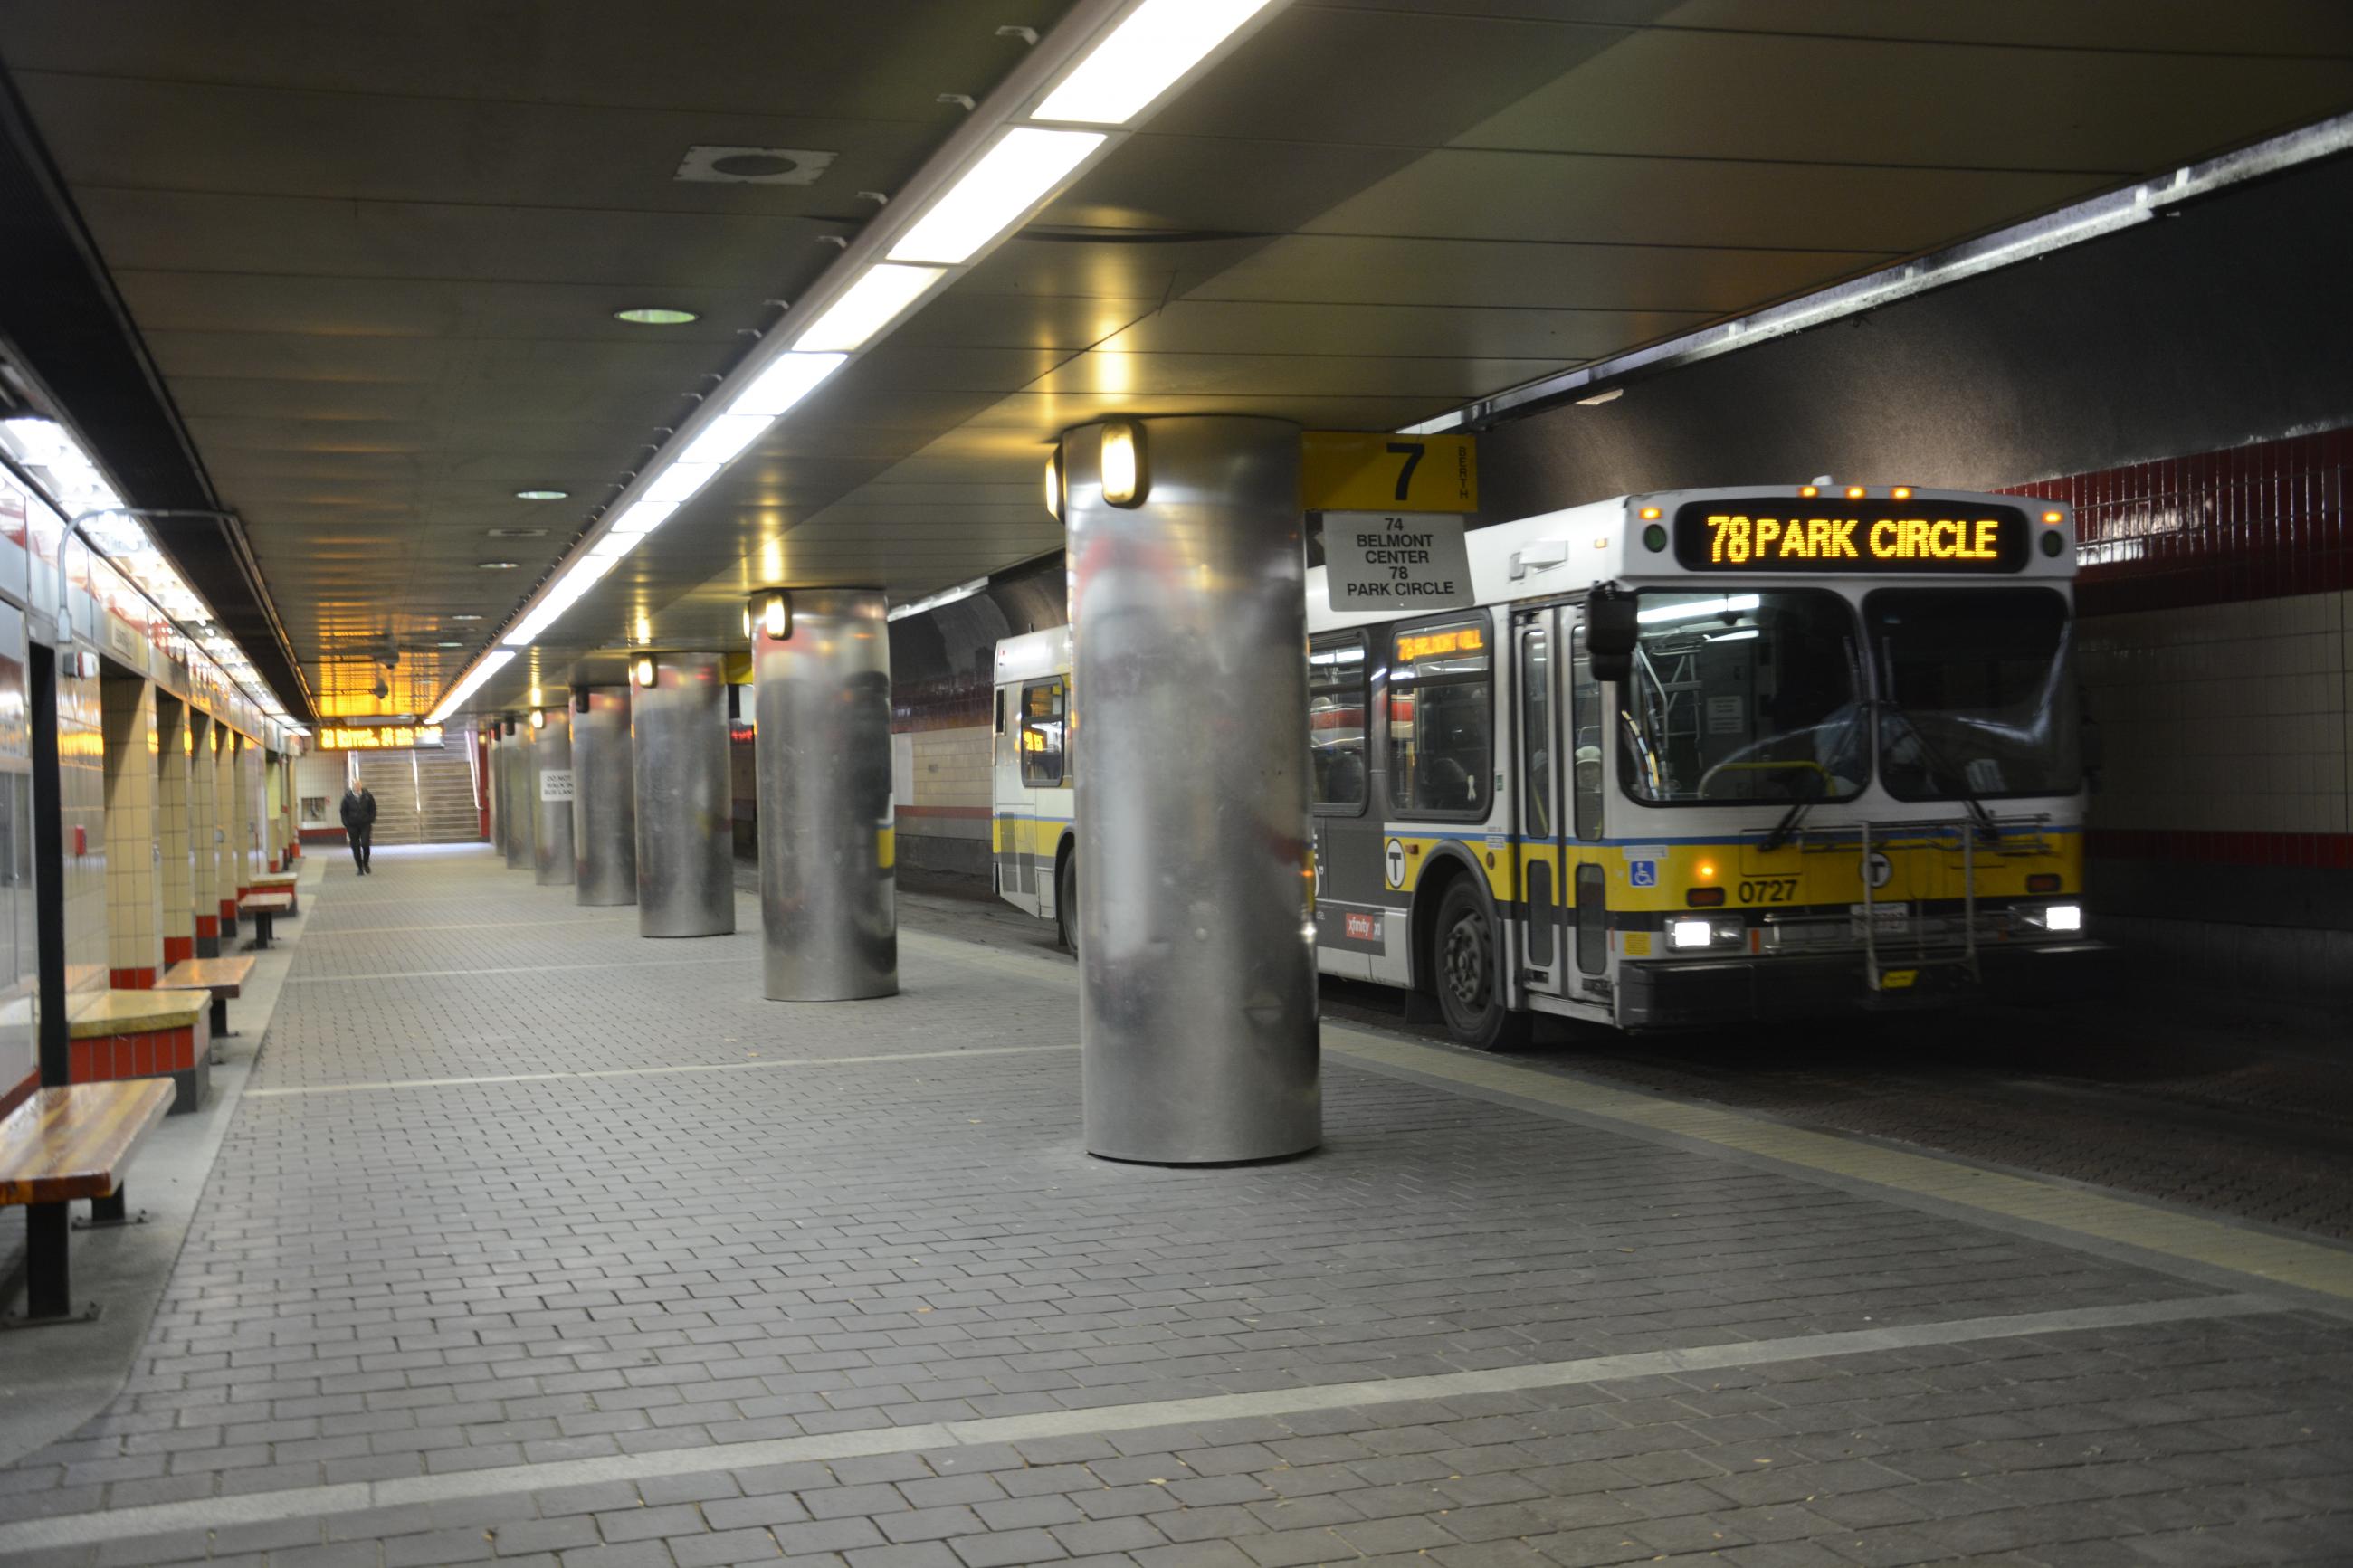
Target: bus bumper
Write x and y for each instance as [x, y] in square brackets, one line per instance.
[1685, 994]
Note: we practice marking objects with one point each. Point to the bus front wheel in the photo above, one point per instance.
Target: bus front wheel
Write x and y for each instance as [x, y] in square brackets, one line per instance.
[1464, 952]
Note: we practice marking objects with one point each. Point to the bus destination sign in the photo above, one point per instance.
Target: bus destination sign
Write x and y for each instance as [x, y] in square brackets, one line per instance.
[1781, 533]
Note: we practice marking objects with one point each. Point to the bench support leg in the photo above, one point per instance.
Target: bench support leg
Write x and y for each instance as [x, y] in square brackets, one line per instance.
[108, 1212]
[48, 1277]
[261, 921]
[220, 1018]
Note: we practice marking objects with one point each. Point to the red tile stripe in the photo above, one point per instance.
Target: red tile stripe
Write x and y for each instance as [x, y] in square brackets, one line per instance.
[2324, 852]
[2260, 522]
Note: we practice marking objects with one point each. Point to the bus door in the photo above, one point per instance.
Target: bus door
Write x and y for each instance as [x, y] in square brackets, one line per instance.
[1545, 931]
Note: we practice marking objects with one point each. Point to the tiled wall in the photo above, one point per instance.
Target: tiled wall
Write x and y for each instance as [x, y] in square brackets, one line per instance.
[134, 911]
[943, 813]
[176, 888]
[2216, 640]
[81, 798]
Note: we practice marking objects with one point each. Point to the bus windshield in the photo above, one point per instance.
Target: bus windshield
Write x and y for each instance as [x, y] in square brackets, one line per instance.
[1977, 692]
[1743, 697]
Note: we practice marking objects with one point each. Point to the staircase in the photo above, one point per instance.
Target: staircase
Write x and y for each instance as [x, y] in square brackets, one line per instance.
[422, 796]
[391, 777]
[446, 811]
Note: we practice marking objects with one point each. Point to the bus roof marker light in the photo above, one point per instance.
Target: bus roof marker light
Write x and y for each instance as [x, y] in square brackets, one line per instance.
[1901, 492]
[1142, 57]
[2055, 517]
[1008, 181]
[1126, 478]
[1809, 491]
[1854, 492]
[878, 297]
[1649, 512]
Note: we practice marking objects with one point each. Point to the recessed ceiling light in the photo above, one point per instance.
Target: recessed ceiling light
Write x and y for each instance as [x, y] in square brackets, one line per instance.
[540, 495]
[448, 645]
[656, 315]
[515, 532]
[497, 565]
[464, 616]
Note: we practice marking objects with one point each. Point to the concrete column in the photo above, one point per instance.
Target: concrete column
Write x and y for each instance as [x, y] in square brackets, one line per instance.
[204, 846]
[520, 788]
[172, 828]
[551, 782]
[226, 859]
[134, 892]
[1197, 957]
[677, 742]
[822, 742]
[604, 798]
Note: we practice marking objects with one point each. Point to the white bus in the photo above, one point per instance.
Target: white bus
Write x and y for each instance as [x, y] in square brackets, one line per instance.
[1694, 757]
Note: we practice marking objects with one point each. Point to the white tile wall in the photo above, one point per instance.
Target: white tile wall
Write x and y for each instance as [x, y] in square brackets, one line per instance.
[2235, 717]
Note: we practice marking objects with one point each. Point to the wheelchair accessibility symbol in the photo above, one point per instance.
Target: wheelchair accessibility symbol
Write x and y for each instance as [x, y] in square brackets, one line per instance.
[1642, 873]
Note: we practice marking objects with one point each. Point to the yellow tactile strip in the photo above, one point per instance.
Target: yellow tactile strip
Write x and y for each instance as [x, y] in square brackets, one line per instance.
[2310, 1266]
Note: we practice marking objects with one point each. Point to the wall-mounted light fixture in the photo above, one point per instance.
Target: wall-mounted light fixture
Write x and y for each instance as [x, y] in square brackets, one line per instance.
[642, 672]
[1125, 477]
[777, 616]
[1054, 483]
[538, 719]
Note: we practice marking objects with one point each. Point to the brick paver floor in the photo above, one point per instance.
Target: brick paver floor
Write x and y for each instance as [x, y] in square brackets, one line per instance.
[535, 1241]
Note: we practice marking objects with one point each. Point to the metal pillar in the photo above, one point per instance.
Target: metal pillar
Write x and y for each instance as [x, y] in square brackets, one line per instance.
[494, 762]
[828, 916]
[1197, 1005]
[520, 788]
[604, 798]
[552, 783]
[678, 739]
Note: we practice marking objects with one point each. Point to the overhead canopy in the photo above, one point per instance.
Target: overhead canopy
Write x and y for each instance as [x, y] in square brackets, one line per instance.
[375, 250]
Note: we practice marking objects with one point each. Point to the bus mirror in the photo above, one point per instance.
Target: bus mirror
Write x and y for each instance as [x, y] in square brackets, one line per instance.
[1610, 632]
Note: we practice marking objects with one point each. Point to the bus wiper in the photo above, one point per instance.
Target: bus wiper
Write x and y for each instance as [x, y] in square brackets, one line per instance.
[1944, 770]
[1786, 826]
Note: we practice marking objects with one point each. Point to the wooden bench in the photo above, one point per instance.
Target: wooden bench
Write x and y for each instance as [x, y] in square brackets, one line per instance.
[64, 1144]
[264, 908]
[224, 977]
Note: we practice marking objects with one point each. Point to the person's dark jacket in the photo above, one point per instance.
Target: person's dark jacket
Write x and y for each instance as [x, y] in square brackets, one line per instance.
[359, 812]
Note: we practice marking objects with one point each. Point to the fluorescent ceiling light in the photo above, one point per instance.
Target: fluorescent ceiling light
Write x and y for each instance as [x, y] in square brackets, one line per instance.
[656, 315]
[1731, 606]
[643, 517]
[724, 438]
[679, 482]
[791, 378]
[613, 546]
[933, 601]
[867, 306]
[1160, 41]
[492, 664]
[1012, 177]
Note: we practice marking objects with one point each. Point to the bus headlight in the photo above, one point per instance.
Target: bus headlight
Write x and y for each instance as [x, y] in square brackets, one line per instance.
[1696, 934]
[2059, 919]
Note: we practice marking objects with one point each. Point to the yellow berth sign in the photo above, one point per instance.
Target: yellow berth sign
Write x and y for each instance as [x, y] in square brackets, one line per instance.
[1370, 470]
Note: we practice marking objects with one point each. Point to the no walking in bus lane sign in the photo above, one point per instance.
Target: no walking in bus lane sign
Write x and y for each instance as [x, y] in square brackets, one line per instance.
[1373, 561]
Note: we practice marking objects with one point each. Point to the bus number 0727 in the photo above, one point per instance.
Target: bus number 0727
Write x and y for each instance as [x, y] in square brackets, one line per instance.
[1768, 890]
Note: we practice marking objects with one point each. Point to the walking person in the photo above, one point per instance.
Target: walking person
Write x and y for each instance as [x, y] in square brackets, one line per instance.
[359, 824]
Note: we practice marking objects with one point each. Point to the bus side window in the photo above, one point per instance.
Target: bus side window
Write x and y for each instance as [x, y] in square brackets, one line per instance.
[997, 734]
[1041, 734]
[1336, 705]
[1586, 733]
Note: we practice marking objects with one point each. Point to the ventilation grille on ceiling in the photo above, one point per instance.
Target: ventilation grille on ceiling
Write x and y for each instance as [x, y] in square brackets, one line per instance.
[752, 165]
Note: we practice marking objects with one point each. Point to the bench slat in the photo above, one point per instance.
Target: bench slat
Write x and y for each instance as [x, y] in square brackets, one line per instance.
[74, 1142]
[222, 976]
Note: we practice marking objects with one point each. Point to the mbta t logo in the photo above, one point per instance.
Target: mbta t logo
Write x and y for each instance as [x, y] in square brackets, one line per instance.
[1877, 870]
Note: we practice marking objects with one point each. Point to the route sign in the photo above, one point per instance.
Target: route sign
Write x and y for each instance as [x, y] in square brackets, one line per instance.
[1371, 470]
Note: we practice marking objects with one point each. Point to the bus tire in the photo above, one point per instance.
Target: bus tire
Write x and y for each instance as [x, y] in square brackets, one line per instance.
[1465, 950]
[1066, 902]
